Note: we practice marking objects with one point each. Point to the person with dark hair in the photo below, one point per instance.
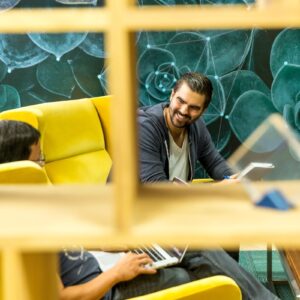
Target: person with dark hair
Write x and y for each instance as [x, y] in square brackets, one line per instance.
[198, 83]
[19, 141]
[173, 136]
[82, 278]
[80, 274]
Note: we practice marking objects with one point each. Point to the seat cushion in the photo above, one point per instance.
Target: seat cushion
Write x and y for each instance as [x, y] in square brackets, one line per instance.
[91, 167]
[22, 172]
[73, 142]
[69, 128]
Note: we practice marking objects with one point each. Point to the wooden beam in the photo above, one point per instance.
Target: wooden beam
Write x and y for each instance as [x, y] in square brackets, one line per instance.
[122, 79]
[274, 15]
[28, 276]
[212, 17]
[54, 20]
[60, 216]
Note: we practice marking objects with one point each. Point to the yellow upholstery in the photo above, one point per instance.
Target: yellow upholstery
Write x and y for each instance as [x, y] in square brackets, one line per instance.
[202, 180]
[212, 288]
[72, 138]
[103, 106]
[24, 171]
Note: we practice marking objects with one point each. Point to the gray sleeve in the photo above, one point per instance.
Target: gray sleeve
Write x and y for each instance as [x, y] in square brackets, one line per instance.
[151, 150]
[210, 158]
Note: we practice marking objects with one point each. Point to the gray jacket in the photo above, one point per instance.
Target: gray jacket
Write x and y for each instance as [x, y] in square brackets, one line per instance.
[154, 147]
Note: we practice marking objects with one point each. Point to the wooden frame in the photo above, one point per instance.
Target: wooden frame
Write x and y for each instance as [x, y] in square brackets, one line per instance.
[36, 221]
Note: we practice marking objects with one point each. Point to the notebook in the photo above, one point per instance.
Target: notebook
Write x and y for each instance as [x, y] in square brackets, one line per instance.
[161, 257]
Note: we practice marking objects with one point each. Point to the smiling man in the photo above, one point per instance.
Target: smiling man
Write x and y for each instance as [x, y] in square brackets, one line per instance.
[173, 136]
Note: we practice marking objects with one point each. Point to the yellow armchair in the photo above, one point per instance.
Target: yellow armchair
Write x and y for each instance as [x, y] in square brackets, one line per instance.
[74, 137]
[211, 288]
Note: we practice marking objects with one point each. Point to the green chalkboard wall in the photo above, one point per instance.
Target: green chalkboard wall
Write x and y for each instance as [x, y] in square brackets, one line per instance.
[254, 72]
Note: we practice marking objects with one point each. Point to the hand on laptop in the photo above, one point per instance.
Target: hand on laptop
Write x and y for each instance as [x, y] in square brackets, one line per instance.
[132, 265]
[229, 179]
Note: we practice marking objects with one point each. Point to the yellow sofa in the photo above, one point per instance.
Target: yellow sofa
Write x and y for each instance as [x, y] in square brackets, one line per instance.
[75, 138]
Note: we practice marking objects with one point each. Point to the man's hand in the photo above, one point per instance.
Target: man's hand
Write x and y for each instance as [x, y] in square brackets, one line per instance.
[230, 179]
[132, 265]
[234, 176]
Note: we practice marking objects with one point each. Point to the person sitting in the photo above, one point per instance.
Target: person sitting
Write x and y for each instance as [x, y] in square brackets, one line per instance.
[19, 141]
[173, 137]
[80, 276]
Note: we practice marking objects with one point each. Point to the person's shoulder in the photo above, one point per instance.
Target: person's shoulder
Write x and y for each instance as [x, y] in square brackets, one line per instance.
[199, 131]
[155, 109]
[152, 113]
[151, 123]
[200, 124]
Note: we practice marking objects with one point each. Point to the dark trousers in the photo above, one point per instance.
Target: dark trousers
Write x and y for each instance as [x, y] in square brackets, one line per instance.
[234, 254]
[195, 265]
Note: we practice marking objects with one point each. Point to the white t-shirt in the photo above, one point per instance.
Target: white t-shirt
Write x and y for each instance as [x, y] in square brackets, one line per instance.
[178, 160]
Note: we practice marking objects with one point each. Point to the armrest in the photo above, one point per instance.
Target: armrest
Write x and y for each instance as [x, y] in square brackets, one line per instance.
[22, 172]
[202, 180]
[215, 287]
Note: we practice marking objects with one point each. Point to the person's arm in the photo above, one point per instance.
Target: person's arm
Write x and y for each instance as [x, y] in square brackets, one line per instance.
[151, 149]
[229, 179]
[129, 266]
[211, 159]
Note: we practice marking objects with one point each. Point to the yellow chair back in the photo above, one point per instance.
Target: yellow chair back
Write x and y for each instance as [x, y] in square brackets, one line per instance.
[72, 138]
[22, 172]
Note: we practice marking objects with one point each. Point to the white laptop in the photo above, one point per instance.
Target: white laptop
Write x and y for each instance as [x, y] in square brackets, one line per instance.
[161, 257]
[255, 170]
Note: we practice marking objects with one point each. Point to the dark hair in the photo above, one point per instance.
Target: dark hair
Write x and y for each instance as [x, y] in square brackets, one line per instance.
[16, 138]
[198, 83]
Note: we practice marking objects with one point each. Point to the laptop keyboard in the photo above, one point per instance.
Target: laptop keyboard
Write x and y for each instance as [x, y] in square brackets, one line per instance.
[152, 253]
[161, 258]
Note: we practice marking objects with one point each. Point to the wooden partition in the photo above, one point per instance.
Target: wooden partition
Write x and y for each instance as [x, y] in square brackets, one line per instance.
[35, 222]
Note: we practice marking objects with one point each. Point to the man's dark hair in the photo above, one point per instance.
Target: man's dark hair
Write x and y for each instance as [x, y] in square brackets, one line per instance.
[198, 83]
[16, 139]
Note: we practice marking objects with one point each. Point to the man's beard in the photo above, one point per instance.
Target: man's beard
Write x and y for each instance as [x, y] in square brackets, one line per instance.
[187, 120]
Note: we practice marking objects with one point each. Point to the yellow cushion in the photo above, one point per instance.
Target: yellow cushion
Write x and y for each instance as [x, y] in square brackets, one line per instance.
[211, 288]
[24, 171]
[20, 115]
[103, 106]
[69, 128]
[202, 180]
[91, 167]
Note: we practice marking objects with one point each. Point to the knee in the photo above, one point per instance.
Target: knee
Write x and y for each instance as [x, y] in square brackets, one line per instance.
[180, 276]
